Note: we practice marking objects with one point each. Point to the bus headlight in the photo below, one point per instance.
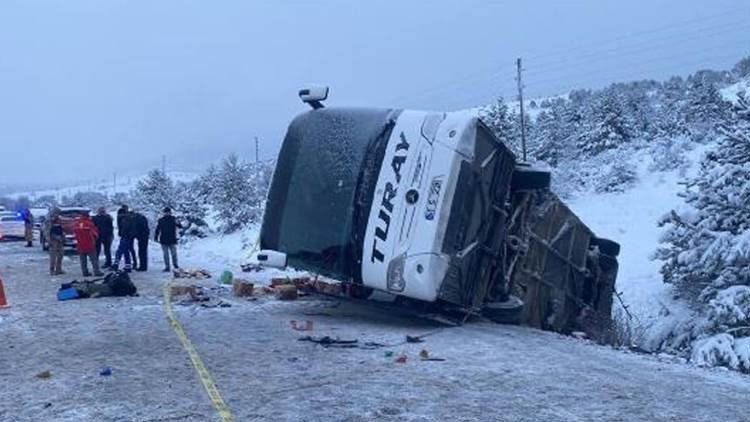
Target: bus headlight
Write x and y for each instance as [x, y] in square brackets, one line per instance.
[395, 278]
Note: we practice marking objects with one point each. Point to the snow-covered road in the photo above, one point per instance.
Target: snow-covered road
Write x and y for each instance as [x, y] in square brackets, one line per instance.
[490, 372]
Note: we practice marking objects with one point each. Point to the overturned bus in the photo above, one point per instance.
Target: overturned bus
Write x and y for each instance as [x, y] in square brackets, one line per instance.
[432, 208]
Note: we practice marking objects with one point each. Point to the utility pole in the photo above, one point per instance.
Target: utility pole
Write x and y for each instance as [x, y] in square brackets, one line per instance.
[520, 100]
[256, 150]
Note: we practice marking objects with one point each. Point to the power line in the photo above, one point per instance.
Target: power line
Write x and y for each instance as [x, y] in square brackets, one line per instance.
[697, 31]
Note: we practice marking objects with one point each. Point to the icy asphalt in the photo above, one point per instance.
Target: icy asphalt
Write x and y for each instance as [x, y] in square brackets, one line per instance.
[490, 372]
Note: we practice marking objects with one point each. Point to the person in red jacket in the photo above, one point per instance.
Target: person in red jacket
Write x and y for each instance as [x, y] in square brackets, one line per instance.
[86, 236]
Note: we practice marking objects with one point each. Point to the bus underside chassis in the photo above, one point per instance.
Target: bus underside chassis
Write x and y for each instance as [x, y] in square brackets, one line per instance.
[556, 275]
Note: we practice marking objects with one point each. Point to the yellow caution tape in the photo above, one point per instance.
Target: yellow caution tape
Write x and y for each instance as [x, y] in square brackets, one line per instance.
[200, 368]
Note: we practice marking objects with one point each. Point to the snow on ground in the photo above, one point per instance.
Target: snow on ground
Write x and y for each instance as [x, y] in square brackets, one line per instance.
[729, 93]
[630, 218]
[265, 373]
[217, 252]
[227, 252]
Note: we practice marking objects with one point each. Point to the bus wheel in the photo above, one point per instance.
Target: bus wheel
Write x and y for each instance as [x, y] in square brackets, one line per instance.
[507, 312]
[358, 291]
[527, 178]
[606, 246]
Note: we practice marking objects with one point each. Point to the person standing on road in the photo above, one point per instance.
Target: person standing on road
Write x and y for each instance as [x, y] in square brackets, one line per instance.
[104, 226]
[86, 238]
[166, 234]
[142, 233]
[28, 226]
[53, 232]
[126, 232]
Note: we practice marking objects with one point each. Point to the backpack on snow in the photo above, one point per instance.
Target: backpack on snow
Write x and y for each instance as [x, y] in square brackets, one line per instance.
[117, 283]
[120, 284]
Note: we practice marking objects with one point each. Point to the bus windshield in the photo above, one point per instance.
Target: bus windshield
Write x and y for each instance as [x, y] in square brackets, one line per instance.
[323, 184]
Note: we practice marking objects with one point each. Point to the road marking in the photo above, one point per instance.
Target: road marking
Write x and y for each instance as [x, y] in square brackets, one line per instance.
[200, 368]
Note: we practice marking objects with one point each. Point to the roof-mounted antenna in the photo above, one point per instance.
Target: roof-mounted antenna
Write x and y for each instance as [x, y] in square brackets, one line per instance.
[314, 96]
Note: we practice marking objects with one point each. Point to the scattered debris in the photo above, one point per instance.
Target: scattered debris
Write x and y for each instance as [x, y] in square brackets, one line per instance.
[307, 327]
[226, 277]
[401, 359]
[388, 353]
[286, 292]
[199, 294]
[186, 273]
[280, 281]
[106, 372]
[251, 268]
[216, 303]
[44, 375]
[414, 339]
[424, 356]
[316, 314]
[243, 288]
[327, 341]
[579, 335]
[182, 289]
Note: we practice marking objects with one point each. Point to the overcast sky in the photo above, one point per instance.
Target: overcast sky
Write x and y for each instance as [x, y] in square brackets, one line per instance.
[88, 88]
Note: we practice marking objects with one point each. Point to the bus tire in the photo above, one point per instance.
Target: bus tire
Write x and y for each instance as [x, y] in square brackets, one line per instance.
[507, 312]
[606, 246]
[607, 263]
[526, 178]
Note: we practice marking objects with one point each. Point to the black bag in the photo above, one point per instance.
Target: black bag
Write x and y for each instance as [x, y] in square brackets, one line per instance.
[119, 284]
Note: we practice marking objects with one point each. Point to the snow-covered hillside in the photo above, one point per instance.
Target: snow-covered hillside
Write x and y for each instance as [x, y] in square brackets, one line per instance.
[109, 187]
[630, 218]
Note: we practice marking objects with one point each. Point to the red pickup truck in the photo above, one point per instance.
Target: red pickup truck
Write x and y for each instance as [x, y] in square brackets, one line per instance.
[68, 216]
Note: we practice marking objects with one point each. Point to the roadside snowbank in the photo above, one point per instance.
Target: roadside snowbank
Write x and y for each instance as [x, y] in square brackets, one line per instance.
[630, 218]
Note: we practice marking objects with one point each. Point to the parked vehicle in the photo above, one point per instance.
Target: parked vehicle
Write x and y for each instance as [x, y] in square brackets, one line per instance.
[11, 226]
[68, 216]
[432, 208]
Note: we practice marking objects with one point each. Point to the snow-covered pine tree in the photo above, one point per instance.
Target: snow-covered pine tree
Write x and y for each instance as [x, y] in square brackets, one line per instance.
[707, 248]
[742, 68]
[552, 133]
[204, 185]
[153, 193]
[120, 198]
[668, 114]
[44, 201]
[90, 199]
[704, 107]
[609, 126]
[235, 195]
[192, 209]
[639, 108]
[500, 121]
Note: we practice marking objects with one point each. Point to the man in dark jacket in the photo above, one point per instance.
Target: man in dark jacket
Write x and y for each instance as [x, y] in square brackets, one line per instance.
[142, 234]
[166, 234]
[126, 231]
[104, 226]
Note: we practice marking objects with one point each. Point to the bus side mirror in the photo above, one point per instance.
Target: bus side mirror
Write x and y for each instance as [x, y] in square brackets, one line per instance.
[314, 96]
